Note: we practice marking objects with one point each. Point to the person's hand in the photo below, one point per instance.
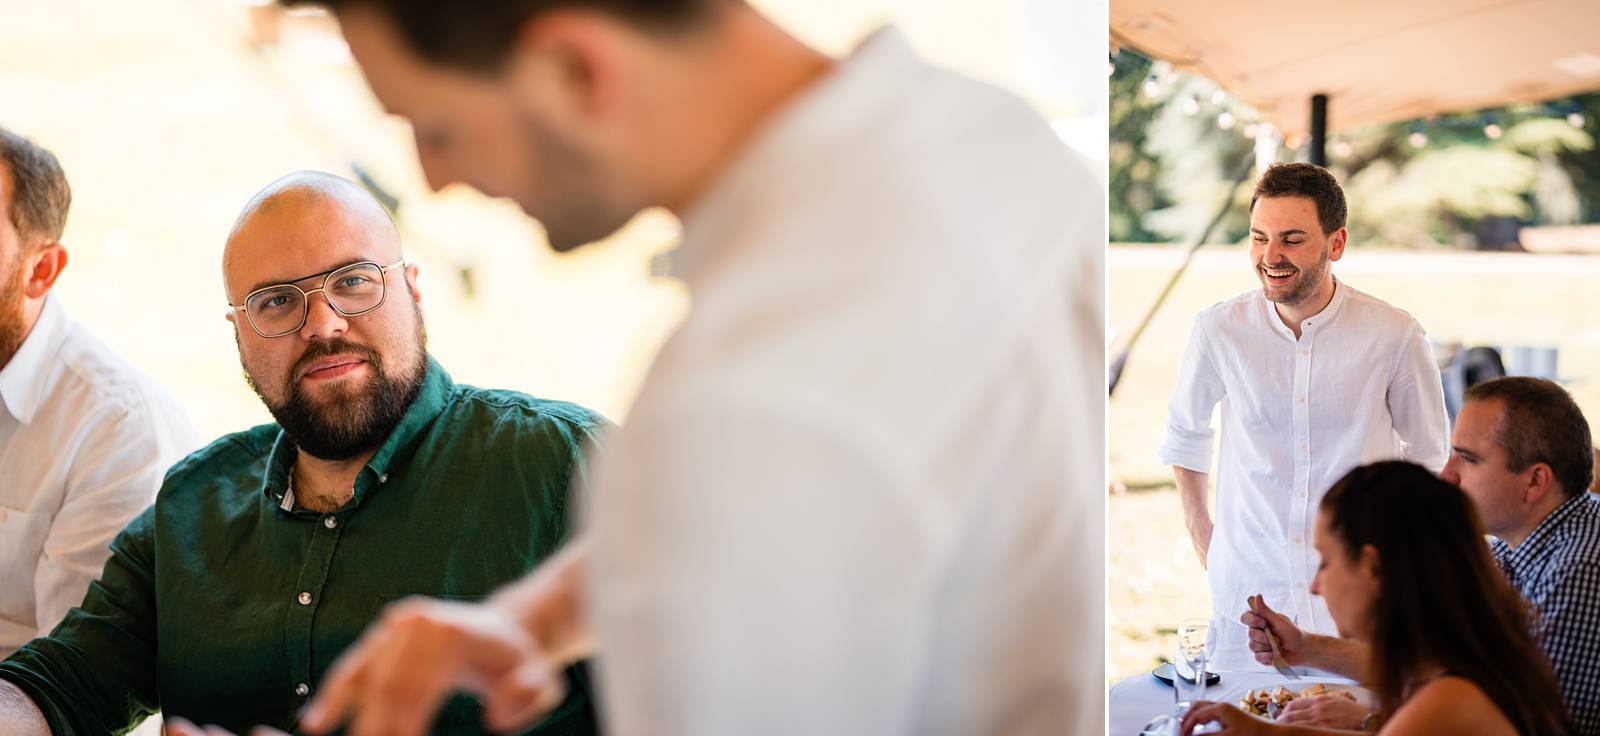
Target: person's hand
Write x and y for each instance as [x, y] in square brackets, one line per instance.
[179, 727]
[1327, 711]
[1292, 642]
[393, 681]
[1232, 720]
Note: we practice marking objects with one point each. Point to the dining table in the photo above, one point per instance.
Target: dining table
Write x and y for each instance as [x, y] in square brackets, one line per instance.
[1136, 700]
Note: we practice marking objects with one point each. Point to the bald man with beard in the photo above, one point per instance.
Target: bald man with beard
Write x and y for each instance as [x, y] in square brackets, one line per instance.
[267, 552]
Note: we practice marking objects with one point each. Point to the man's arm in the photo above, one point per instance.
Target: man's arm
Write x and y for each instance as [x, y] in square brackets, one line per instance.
[115, 474]
[1187, 447]
[1416, 404]
[1192, 491]
[1567, 629]
[18, 715]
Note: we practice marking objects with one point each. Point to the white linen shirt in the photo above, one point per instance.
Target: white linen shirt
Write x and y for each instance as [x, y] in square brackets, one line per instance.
[860, 489]
[1358, 386]
[85, 441]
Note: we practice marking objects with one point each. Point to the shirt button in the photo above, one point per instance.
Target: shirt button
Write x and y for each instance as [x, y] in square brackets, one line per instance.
[1305, 352]
[383, 478]
[1298, 540]
[302, 689]
[305, 599]
[330, 522]
[1302, 399]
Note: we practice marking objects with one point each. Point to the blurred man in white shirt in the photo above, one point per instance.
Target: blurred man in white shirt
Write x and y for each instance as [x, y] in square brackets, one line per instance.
[859, 491]
[1314, 378]
[84, 438]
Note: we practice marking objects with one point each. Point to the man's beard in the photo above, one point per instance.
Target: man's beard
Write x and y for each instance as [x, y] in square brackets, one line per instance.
[13, 310]
[1305, 284]
[577, 205]
[347, 424]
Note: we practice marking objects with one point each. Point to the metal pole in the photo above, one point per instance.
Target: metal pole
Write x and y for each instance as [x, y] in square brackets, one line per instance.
[1114, 371]
[1317, 147]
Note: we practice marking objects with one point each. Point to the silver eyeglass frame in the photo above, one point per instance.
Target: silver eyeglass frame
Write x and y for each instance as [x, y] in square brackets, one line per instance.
[305, 304]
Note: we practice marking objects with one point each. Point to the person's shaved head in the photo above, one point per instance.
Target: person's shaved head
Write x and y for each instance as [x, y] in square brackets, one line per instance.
[311, 198]
[339, 383]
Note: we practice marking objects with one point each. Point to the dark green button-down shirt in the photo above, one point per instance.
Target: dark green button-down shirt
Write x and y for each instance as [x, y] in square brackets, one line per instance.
[219, 606]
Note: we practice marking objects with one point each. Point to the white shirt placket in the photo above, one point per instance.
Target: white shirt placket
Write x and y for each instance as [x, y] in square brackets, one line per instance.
[1299, 592]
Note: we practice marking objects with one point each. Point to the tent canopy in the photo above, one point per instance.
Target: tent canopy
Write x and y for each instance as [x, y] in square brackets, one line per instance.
[1376, 60]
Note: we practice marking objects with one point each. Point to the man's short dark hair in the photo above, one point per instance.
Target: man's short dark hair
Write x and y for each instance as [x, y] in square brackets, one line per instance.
[1305, 180]
[40, 196]
[1540, 423]
[478, 35]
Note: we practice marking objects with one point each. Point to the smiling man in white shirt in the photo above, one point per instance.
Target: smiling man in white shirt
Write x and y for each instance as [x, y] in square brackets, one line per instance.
[1314, 378]
[84, 438]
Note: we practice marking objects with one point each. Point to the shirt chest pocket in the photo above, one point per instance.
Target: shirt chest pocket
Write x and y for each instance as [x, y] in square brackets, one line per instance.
[22, 536]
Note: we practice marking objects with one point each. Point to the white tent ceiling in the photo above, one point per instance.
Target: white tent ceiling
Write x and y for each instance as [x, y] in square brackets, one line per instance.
[1377, 60]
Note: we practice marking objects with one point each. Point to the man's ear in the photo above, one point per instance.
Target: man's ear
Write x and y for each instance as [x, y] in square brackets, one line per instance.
[1541, 483]
[43, 268]
[413, 283]
[574, 59]
[1336, 243]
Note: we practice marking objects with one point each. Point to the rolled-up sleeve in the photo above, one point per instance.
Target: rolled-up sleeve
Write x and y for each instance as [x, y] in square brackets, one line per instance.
[1416, 404]
[1199, 389]
[95, 673]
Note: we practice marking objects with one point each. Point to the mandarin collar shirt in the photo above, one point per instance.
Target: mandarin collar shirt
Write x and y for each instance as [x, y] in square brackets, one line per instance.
[85, 439]
[1357, 386]
[860, 489]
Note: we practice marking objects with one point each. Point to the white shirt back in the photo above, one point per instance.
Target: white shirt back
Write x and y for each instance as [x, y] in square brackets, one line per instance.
[85, 441]
[860, 490]
[1358, 386]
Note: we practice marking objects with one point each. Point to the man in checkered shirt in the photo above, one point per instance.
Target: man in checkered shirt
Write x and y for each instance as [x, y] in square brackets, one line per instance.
[1522, 452]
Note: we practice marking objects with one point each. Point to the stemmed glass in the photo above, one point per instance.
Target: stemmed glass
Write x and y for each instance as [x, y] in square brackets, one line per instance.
[1196, 641]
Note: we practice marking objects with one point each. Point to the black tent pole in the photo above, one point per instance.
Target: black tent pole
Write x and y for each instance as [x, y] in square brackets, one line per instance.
[1317, 148]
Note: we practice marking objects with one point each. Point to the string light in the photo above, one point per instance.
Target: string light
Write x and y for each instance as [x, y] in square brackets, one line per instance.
[1250, 130]
[1418, 138]
[1493, 131]
[1342, 148]
[1575, 118]
[1151, 87]
[1225, 120]
[1190, 105]
[1218, 96]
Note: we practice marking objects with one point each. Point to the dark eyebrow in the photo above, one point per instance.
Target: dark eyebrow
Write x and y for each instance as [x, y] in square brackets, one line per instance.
[1281, 234]
[1470, 455]
[264, 284]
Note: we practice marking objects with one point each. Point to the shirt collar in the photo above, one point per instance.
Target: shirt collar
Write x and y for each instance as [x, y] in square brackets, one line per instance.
[1539, 544]
[1341, 292]
[28, 377]
[437, 389]
[802, 132]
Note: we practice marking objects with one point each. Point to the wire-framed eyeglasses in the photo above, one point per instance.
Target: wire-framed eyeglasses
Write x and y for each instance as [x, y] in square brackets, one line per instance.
[281, 309]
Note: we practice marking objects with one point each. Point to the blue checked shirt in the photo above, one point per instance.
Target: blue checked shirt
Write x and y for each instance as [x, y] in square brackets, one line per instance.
[1557, 569]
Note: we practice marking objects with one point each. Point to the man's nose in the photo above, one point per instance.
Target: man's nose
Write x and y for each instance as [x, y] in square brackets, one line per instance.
[322, 320]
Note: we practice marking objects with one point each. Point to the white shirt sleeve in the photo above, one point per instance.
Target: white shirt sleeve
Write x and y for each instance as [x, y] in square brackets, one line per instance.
[116, 472]
[1416, 403]
[1199, 390]
[723, 550]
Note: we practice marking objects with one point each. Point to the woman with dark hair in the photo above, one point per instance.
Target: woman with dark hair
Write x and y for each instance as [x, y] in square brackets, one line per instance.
[1405, 568]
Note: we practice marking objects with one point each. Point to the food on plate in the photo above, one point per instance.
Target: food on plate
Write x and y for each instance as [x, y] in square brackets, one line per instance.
[1260, 702]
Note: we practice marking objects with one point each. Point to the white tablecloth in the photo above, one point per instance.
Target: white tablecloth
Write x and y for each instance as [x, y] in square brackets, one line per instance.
[1137, 700]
